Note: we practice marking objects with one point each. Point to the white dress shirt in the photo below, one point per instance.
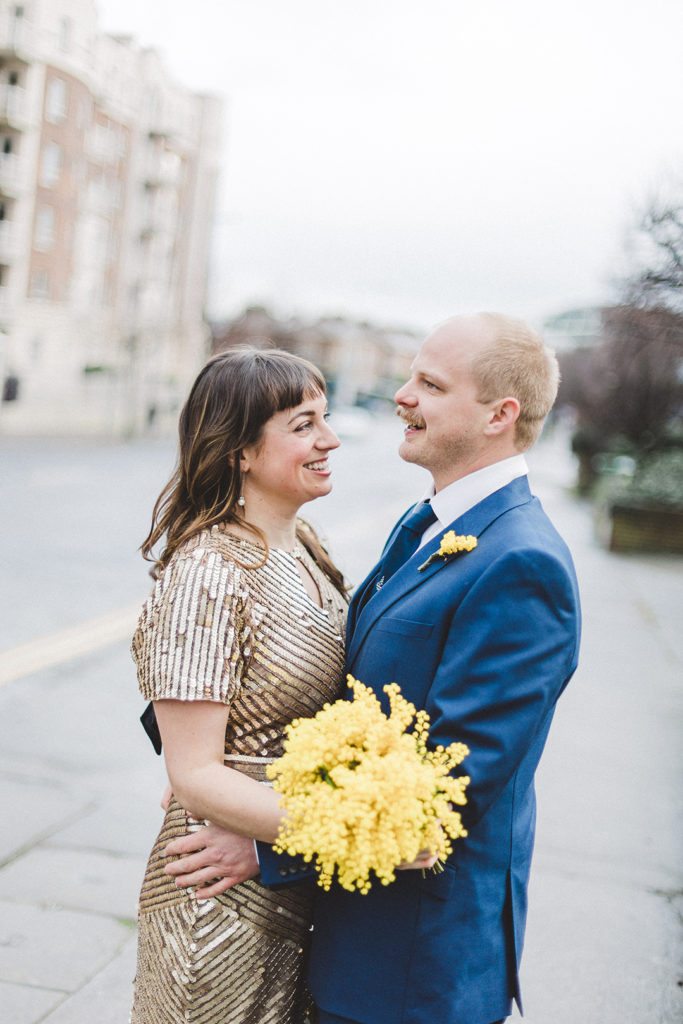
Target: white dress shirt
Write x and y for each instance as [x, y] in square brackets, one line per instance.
[462, 495]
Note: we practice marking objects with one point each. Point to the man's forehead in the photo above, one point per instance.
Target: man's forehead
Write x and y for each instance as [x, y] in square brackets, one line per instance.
[441, 354]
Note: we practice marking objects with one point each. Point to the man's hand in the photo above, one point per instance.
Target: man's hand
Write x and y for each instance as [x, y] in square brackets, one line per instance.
[213, 859]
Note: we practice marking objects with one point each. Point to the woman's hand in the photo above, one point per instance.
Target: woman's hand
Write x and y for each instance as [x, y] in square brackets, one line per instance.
[424, 859]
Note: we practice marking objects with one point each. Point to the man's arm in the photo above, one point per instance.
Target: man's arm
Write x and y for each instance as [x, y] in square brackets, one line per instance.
[511, 650]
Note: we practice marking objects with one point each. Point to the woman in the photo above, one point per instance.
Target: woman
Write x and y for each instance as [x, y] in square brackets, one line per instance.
[241, 634]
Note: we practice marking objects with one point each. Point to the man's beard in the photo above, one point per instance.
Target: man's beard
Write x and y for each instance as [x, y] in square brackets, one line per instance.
[451, 452]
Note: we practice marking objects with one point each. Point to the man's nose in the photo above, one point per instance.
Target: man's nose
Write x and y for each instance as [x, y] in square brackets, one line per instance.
[404, 395]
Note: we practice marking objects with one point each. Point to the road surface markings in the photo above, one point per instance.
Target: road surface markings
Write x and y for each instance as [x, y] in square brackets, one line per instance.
[67, 644]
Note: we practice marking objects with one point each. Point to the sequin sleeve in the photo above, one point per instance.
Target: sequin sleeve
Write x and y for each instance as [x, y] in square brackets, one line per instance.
[194, 631]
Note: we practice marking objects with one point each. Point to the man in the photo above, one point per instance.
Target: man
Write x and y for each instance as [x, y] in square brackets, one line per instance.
[486, 642]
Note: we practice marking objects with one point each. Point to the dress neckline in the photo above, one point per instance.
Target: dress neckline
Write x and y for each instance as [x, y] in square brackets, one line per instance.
[299, 553]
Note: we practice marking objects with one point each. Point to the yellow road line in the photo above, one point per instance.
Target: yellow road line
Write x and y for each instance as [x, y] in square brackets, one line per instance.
[67, 644]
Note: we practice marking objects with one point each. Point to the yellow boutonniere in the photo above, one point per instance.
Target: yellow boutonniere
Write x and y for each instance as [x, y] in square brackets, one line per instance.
[451, 544]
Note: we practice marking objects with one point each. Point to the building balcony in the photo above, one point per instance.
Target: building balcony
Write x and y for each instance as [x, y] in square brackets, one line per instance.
[6, 307]
[162, 170]
[12, 175]
[13, 106]
[103, 147]
[9, 246]
[15, 35]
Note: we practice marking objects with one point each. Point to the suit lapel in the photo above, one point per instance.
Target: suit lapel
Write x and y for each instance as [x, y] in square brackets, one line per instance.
[475, 521]
[364, 589]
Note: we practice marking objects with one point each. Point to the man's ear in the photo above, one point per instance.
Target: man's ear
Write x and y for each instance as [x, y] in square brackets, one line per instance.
[503, 416]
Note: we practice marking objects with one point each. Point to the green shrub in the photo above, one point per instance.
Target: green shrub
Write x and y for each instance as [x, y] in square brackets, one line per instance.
[657, 480]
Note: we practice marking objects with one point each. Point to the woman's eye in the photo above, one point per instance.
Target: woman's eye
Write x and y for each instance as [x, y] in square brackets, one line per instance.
[303, 427]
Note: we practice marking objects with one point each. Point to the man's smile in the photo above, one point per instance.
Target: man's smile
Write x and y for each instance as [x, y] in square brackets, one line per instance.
[412, 422]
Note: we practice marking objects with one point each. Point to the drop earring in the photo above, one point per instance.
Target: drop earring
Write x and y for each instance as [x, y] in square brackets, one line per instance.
[240, 501]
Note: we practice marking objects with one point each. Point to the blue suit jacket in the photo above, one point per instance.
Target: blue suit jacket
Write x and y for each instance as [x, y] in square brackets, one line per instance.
[486, 642]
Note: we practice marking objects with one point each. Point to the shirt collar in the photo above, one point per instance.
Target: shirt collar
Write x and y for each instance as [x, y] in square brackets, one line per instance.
[463, 494]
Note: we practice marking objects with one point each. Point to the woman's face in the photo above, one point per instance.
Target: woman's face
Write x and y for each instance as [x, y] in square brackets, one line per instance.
[289, 465]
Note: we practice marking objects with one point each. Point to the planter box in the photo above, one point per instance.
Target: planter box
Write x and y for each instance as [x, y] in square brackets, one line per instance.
[647, 528]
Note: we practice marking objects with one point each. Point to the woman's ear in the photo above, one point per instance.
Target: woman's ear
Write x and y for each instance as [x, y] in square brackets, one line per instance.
[241, 458]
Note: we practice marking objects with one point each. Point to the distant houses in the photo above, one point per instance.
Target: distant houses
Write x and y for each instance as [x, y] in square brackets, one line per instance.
[363, 363]
[573, 329]
[107, 179]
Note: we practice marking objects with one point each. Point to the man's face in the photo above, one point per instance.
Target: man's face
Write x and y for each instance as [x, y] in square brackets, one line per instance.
[444, 421]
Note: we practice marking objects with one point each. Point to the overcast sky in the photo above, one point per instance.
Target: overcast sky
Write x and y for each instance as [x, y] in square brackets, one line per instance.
[404, 161]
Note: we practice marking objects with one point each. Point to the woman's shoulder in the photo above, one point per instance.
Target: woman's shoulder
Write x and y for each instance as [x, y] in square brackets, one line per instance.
[215, 540]
[204, 567]
[212, 555]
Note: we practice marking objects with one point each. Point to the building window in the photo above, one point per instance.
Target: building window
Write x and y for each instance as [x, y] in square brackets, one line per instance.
[65, 34]
[7, 144]
[40, 285]
[50, 165]
[56, 100]
[85, 112]
[45, 229]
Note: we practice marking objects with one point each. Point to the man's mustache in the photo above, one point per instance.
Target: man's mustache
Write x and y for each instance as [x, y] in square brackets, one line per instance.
[410, 418]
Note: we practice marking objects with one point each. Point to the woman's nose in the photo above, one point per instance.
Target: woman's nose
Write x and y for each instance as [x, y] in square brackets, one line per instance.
[329, 439]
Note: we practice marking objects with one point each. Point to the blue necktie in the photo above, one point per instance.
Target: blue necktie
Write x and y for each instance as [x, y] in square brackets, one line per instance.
[407, 540]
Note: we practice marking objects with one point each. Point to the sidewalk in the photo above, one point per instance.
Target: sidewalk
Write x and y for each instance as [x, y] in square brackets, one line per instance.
[80, 789]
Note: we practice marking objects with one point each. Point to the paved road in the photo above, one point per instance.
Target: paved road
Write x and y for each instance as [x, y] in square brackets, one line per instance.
[80, 786]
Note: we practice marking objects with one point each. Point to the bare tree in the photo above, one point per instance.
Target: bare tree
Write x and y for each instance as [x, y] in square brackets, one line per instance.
[628, 390]
[642, 384]
[657, 254]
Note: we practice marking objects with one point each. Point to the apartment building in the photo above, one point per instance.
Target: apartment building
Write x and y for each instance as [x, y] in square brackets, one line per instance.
[107, 177]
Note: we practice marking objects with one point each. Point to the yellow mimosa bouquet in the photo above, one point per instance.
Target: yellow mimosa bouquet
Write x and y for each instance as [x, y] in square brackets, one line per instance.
[363, 792]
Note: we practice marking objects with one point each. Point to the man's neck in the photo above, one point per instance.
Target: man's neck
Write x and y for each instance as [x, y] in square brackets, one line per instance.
[467, 491]
[445, 479]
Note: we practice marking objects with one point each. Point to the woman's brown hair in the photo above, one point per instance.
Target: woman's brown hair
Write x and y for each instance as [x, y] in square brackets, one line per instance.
[230, 402]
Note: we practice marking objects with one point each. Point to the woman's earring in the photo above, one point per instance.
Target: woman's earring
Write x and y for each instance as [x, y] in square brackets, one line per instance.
[243, 468]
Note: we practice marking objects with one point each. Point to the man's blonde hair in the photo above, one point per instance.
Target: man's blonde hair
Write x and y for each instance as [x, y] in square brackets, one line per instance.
[517, 362]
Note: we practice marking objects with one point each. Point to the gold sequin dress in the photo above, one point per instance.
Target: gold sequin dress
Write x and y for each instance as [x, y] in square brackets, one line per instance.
[253, 639]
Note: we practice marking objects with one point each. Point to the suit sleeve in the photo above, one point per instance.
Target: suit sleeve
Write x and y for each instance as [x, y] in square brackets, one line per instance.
[281, 868]
[510, 650]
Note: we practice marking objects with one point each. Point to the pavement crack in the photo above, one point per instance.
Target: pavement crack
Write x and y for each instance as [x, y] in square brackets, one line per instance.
[47, 833]
[674, 897]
